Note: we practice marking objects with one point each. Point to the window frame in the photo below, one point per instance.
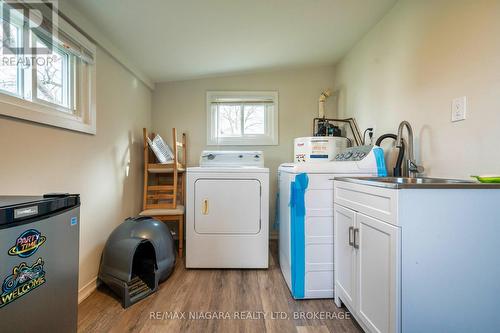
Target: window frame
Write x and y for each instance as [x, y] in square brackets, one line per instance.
[69, 67]
[17, 23]
[270, 138]
[80, 112]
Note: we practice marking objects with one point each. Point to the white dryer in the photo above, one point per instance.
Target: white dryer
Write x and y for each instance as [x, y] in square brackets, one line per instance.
[306, 217]
[227, 211]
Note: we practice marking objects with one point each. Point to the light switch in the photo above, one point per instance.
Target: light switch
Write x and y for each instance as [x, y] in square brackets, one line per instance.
[458, 108]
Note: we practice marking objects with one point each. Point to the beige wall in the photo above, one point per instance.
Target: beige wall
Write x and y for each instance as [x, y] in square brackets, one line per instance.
[37, 159]
[413, 63]
[182, 105]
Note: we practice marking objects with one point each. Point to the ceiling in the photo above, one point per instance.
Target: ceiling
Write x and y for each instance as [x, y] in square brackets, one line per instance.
[182, 39]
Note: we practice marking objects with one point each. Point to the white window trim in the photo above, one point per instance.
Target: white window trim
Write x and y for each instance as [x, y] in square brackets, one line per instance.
[248, 140]
[36, 110]
[45, 113]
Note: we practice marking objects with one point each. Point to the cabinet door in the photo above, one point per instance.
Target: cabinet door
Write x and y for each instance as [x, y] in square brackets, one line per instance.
[344, 255]
[376, 273]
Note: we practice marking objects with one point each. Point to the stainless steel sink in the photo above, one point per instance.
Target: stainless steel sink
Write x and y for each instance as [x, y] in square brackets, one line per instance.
[408, 180]
[422, 182]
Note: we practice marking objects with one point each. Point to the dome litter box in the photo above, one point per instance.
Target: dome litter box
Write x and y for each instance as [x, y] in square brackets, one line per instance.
[138, 255]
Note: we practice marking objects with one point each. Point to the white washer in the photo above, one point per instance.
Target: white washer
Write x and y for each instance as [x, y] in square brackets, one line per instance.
[306, 243]
[227, 211]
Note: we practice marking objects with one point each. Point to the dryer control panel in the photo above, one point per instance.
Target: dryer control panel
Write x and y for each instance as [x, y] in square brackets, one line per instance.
[224, 158]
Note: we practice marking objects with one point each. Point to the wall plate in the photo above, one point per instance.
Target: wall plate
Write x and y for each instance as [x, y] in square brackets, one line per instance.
[458, 109]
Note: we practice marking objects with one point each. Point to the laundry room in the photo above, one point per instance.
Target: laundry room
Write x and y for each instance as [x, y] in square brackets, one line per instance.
[249, 166]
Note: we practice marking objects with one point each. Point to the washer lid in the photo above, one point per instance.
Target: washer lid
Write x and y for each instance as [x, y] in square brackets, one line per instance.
[219, 158]
[333, 167]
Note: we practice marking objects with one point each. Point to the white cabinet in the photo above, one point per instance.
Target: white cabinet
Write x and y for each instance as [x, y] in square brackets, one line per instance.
[415, 256]
[344, 254]
[376, 273]
[366, 259]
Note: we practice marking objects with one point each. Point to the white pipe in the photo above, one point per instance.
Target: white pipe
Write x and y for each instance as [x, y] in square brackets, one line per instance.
[322, 99]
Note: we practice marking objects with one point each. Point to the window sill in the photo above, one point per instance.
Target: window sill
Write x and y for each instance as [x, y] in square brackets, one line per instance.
[16, 107]
[255, 141]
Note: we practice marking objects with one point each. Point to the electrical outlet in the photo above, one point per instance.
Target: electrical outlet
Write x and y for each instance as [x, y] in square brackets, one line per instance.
[458, 108]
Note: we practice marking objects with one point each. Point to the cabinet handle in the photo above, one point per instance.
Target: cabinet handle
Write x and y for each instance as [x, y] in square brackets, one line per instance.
[351, 243]
[356, 238]
[204, 207]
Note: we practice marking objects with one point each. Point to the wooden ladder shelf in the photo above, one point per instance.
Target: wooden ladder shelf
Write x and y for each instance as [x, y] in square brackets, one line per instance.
[165, 185]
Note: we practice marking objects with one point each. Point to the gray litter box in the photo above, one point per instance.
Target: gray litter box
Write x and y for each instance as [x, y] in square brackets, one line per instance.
[138, 255]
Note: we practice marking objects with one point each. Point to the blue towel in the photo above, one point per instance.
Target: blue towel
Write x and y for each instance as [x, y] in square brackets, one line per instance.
[297, 233]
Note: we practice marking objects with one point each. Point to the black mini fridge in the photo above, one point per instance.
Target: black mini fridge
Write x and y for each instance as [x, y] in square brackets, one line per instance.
[39, 239]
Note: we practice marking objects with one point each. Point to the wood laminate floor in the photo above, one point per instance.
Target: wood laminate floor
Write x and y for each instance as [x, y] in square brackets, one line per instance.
[239, 300]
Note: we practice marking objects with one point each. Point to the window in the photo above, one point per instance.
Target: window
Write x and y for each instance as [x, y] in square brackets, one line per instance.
[53, 77]
[242, 118]
[47, 70]
[9, 75]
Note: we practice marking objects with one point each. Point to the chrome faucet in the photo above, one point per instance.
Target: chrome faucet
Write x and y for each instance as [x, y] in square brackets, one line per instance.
[412, 168]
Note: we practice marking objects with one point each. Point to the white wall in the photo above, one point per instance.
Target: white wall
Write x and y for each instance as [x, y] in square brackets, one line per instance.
[182, 104]
[37, 159]
[413, 63]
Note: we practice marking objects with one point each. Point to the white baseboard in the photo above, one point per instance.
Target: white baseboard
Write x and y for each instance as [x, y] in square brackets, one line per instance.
[87, 289]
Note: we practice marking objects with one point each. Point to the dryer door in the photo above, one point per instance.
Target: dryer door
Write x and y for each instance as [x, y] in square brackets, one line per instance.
[227, 206]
